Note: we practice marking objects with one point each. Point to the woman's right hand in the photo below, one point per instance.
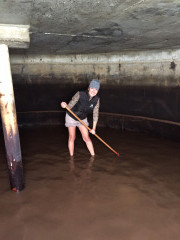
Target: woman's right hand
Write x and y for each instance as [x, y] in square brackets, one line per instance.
[63, 104]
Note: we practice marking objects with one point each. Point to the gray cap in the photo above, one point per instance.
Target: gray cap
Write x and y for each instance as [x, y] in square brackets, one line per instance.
[95, 84]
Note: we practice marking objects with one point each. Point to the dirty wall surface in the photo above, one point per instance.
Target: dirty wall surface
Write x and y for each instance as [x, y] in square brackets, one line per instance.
[144, 84]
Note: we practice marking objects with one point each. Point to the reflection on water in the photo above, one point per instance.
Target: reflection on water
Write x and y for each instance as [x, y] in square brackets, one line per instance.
[101, 197]
[83, 173]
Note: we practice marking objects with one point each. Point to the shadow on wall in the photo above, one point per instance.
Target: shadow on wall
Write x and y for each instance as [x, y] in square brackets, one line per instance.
[149, 101]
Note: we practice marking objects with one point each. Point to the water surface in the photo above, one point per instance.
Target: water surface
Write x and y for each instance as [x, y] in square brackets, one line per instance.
[134, 197]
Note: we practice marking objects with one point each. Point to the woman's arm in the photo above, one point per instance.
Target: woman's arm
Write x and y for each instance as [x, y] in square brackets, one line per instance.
[74, 100]
[95, 117]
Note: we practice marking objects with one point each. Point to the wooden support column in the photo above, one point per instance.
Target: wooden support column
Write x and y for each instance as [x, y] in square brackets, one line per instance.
[9, 122]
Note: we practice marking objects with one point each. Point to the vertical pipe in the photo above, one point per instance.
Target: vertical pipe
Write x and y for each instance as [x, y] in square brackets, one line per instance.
[9, 122]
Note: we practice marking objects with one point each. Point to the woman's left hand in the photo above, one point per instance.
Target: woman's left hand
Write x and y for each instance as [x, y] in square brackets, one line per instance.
[92, 132]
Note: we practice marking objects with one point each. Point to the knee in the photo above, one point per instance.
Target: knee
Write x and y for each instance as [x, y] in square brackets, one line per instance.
[87, 139]
[72, 138]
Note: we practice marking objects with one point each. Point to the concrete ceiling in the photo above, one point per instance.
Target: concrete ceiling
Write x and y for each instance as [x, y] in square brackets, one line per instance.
[95, 26]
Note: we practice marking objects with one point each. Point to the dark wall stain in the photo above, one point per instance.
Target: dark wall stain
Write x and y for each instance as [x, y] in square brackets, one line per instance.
[172, 65]
[119, 67]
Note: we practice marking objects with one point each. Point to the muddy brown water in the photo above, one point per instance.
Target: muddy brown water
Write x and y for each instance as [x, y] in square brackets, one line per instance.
[134, 197]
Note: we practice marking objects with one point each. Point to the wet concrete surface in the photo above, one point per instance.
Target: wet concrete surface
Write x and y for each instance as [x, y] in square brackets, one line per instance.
[134, 197]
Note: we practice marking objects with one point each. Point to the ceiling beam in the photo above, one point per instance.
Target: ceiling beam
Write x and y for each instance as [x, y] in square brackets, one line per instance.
[14, 36]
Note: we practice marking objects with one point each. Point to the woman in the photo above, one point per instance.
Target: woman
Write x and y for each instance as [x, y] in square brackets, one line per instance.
[82, 104]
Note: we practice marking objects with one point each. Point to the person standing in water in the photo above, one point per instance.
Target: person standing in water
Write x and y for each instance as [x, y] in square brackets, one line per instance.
[82, 104]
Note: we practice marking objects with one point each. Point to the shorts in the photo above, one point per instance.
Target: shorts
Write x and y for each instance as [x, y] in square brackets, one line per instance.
[70, 122]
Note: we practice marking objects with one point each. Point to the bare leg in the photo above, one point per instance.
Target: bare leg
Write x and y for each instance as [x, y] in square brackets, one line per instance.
[86, 138]
[72, 136]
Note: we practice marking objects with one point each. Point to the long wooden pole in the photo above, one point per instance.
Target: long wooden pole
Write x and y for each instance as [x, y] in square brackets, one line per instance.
[90, 130]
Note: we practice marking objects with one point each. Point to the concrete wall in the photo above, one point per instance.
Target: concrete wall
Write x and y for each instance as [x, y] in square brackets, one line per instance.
[145, 84]
[134, 68]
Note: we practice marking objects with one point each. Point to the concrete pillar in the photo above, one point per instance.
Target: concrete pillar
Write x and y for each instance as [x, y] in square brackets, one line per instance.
[9, 122]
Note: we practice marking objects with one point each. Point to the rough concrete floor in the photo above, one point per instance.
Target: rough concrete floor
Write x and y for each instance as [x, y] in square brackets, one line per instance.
[134, 197]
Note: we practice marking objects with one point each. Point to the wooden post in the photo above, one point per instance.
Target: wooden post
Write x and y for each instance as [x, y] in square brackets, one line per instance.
[9, 122]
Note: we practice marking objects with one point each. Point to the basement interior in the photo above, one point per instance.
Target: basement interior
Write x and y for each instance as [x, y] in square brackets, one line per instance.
[51, 52]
